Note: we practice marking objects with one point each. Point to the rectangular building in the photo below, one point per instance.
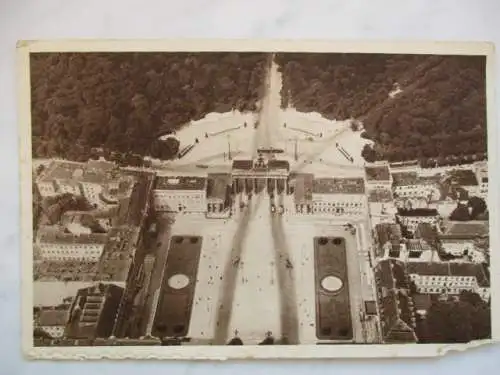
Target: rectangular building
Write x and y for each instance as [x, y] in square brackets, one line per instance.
[92, 180]
[411, 218]
[53, 320]
[449, 278]
[180, 194]
[466, 179]
[411, 186]
[396, 309]
[60, 246]
[481, 170]
[218, 194]
[301, 185]
[339, 196]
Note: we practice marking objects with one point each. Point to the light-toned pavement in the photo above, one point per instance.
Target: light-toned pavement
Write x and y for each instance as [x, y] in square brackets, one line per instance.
[286, 281]
[225, 304]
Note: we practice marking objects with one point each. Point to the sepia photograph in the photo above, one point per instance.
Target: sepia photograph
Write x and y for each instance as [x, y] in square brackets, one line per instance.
[204, 199]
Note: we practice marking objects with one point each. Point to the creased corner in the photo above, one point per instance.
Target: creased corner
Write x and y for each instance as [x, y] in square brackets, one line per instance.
[459, 348]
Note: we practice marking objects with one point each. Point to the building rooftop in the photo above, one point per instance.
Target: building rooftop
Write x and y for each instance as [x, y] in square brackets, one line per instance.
[278, 164]
[243, 164]
[391, 274]
[53, 317]
[338, 186]
[422, 301]
[68, 270]
[117, 256]
[426, 232]
[467, 229]
[450, 269]
[217, 185]
[412, 178]
[463, 177]
[380, 196]
[417, 245]
[404, 178]
[61, 170]
[387, 232]
[378, 173]
[97, 172]
[418, 212]
[396, 305]
[68, 238]
[93, 311]
[180, 183]
[303, 185]
[139, 200]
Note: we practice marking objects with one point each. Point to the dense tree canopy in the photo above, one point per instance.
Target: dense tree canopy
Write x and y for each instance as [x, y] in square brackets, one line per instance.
[460, 321]
[122, 101]
[412, 106]
[475, 209]
[165, 149]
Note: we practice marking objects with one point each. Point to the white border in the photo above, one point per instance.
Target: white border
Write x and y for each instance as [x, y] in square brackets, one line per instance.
[241, 45]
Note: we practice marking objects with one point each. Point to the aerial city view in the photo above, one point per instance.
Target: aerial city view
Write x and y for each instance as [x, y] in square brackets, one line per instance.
[224, 198]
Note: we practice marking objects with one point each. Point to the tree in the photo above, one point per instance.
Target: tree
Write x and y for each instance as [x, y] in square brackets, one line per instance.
[478, 207]
[460, 213]
[369, 154]
[165, 149]
[235, 341]
[457, 321]
[439, 111]
[122, 101]
[470, 297]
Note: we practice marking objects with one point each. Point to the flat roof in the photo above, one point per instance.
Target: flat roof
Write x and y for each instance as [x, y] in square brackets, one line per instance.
[378, 173]
[62, 170]
[65, 271]
[380, 196]
[404, 178]
[243, 164]
[450, 269]
[180, 183]
[303, 186]
[117, 256]
[473, 229]
[417, 212]
[338, 186]
[98, 172]
[217, 185]
[422, 301]
[53, 317]
[86, 324]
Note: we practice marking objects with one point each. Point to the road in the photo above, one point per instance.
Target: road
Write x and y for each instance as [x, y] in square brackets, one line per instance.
[230, 273]
[269, 115]
[286, 282]
[261, 139]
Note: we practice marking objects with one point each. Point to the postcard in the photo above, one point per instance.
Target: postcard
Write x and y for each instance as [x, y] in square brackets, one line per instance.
[223, 199]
